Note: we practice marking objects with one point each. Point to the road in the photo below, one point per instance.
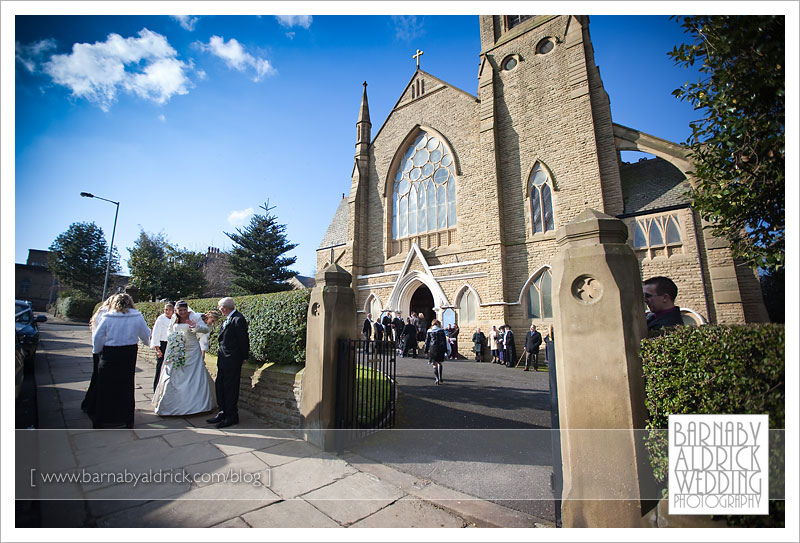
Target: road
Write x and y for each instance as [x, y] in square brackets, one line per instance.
[484, 432]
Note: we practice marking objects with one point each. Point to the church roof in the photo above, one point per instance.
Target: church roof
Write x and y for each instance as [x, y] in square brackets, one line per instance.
[337, 229]
[652, 184]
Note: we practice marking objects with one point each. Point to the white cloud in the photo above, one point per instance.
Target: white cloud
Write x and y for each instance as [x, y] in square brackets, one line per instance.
[235, 56]
[407, 27]
[290, 35]
[162, 118]
[294, 20]
[186, 21]
[238, 218]
[98, 71]
[29, 55]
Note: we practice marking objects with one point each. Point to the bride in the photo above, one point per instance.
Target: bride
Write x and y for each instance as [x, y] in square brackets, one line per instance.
[184, 387]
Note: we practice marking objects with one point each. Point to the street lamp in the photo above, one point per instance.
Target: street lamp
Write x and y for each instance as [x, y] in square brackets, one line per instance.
[110, 247]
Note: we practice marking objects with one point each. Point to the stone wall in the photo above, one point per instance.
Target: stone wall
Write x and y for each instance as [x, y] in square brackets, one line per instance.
[271, 391]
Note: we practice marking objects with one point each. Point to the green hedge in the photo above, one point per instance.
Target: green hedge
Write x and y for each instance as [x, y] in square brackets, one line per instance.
[715, 369]
[276, 322]
[76, 306]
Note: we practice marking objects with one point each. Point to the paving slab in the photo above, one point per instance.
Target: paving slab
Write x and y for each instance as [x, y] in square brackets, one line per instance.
[288, 451]
[232, 523]
[102, 438]
[289, 514]
[191, 435]
[202, 507]
[353, 498]
[237, 444]
[101, 508]
[307, 474]
[174, 458]
[240, 465]
[411, 513]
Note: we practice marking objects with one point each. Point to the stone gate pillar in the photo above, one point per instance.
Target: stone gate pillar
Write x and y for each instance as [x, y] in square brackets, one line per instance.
[599, 323]
[331, 315]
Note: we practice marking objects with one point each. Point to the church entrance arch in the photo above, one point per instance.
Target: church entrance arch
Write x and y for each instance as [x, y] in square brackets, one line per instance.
[422, 302]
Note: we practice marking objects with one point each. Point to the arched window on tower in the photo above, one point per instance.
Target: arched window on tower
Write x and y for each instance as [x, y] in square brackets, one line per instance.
[540, 297]
[540, 188]
[424, 195]
[467, 308]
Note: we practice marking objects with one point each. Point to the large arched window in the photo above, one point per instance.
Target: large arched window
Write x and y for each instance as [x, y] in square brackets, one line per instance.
[541, 193]
[540, 300]
[467, 308]
[424, 196]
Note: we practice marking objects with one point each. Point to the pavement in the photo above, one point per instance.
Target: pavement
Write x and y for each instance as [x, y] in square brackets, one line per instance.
[189, 474]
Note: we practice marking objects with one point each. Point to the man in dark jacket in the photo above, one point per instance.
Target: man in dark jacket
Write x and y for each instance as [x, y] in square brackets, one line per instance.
[234, 348]
[533, 340]
[510, 348]
[366, 330]
[386, 321]
[409, 337]
[397, 328]
[659, 295]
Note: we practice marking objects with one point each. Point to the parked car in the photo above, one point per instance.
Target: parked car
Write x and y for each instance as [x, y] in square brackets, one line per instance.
[19, 367]
[27, 327]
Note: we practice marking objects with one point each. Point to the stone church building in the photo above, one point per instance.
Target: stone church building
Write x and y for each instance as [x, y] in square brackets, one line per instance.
[455, 201]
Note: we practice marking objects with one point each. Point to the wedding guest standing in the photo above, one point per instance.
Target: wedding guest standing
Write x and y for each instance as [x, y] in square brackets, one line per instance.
[116, 340]
[386, 321]
[533, 342]
[234, 348]
[88, 403]
[436, 347]
[509, 347]
[454, 341]
[493, 344]
[409, 337]
[478, 341]
[158, 340]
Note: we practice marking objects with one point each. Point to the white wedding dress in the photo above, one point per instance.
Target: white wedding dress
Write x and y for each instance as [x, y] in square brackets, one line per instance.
[188, 389]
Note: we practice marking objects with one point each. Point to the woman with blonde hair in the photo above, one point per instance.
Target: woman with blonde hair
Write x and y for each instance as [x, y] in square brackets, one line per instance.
[87, 405]
[116, 341]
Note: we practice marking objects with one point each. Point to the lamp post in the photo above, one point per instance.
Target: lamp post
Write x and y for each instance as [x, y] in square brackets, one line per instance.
[110, 247]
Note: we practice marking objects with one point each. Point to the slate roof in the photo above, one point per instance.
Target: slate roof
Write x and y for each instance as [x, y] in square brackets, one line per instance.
[337, 230]
[652, 184]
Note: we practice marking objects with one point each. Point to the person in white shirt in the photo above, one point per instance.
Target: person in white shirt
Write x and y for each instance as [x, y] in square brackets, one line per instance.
[158, 339]
[116, 339]
[88, 403]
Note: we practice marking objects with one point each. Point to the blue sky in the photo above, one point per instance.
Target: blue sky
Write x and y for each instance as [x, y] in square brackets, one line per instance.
[192, 124]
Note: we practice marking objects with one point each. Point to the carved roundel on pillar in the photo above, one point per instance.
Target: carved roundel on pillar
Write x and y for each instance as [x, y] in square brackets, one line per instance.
[587, 290]
[315, 309]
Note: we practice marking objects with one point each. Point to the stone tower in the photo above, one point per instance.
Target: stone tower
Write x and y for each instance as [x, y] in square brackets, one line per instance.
[542, 101]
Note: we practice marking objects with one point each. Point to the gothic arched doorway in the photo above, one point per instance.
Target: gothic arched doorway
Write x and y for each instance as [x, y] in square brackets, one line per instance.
[422, 302]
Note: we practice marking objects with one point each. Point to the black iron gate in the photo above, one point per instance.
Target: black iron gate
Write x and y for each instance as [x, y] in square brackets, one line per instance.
[366, 389]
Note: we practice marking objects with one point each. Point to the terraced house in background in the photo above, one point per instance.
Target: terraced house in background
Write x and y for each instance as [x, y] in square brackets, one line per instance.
[454, 204]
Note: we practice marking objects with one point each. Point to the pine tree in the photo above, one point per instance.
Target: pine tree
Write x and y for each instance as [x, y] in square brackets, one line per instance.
[256, 258]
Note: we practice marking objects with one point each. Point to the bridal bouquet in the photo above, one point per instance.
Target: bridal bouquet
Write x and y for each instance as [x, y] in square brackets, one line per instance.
[176, 349]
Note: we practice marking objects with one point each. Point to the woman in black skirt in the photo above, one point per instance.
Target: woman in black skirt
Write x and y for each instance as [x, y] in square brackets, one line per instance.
[88, 403]
[116, 340]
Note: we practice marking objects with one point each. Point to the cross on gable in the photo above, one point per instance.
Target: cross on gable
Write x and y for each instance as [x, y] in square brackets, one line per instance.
[419, 54]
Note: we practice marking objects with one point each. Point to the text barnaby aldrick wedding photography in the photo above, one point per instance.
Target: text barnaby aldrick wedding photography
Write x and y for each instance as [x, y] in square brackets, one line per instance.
[718, 464]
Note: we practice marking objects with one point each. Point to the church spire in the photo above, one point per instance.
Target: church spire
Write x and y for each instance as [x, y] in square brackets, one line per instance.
[363, 126]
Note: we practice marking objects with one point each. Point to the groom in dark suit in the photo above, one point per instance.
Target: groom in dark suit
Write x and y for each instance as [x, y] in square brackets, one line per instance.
[234, 348]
